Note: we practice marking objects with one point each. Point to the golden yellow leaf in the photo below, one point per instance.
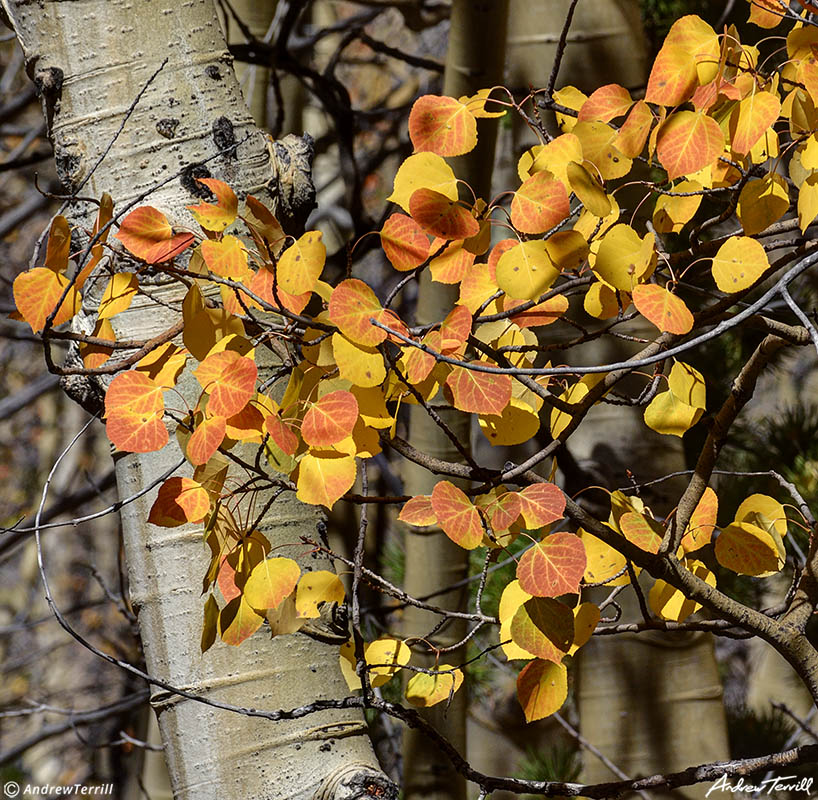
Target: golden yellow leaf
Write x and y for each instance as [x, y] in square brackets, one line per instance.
[423, 171]
[762, 202]
[739, 263]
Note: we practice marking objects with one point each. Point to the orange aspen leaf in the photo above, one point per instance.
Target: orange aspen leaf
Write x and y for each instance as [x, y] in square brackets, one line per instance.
[540, 315]
[662, 308]
[702, 523]
[539, 204]
[230, 380]
[442, 125]
[605, 104]
[747, 549]
[453, 264]
[598, 149]
[134, 407]
[330, 420]
[58, 246]
[205, 440]
[504, 510]
[687, 142]
[542, 688]
[441, 217]
[543, 627]
[552, 567]
[418, 511]
[262, 283]
[457, 516]
[301, 264]
[94, 355]
[180, 500]
[751, 118]
[641, 531]
[147, 234]
[281, 433]
[351, 307]
[36, 294]
[542, 504]
[477, 286]
[633, 134]
[765, 13]
[245, 426]
[404, 242]
[673, 76]
[216, 216]
[479, 392]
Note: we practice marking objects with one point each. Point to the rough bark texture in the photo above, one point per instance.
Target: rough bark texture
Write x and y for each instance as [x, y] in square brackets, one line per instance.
[90, 60]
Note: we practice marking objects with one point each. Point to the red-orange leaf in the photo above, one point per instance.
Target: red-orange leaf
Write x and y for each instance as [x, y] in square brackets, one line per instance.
[180, 500]
[542, 688]
[134, 407]
[479, 392]
[36, 293]
[605, 104]
[665, 310]
[205, 440]
[216, 217]
[351, 306]
[262, 283]
[504, 511]
[542, 504]
[540, 203]
[542, 314]
[688, 142]
[281, 433]
[441, 125]
[230, 379]
[418, 511]
[404, 242]
[441, 217]
[147, 234]
[673, 77]
[457, 515]
[634, 131]
[638, 530]
[330, 420]
[553, 567]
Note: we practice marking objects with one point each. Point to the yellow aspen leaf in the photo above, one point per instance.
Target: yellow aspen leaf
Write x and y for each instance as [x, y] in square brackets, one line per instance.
[573, 395]
[315, 588]
[372, 406]
[600, 301]
[216, 216]
[751, 118]
[330, 420]
[808, 201]
[669, 603]
[226, 258]
[543, 627]
[442, 125]
[802, 113]
[666, 311]
[518, 423]
[702, 523]
[567, 249]
[511, 601]
[765, 13]
[457, 516]
[693, 35]
[284, 618]
[384, 657]
[118, 294]
[762, 202]
[423, 691]
[598, 148]
[245, 426]
[180, 500]
[418, 511]
[672, 213]
[301, 263]
[147, 234]
[476, 104]
[554, 157]
[669, 415]
[606, 103]
[687, 142]
[346, 659]
[552, 567]
[526, 271]
[569, 97]
[453, 264]
[363, 366]
[739, 263]
[238, 620]
[441, 217]
[229, 379]
[134, 407]
[541, 504]
[270, 581]
[539, 204]
[479, 392]
[642, 531]
[747, 549]
[587, 190]
[537, 316]
[590, 227]
[324, 477]
[542, 688]
[206, 440]
[604, 564]
[631, 137]
[404, 242]
[204, 326]
[423, 171]
[36, 294]
[673, 76]
[764, 511]
[476, 287]
[586, 618]
[164, 364]
[687, 383]
[212, 475]
[94, 355]
[624, 259]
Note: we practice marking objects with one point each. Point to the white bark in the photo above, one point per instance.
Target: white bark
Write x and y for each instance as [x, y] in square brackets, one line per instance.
[91, 59]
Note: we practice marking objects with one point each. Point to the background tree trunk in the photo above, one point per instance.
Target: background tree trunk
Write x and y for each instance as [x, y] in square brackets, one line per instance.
[90, 61]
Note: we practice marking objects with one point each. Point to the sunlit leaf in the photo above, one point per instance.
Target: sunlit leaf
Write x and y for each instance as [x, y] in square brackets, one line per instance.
[180, 500]
[606, 103]
[229, 379]
[638, 529]
[441, 217]
[542, 504]
[762, 202]
[748, 550]
[134, 408]
[539, 204]
[699, 530]
[442, 125]
[385, 657]
[670, 603]
[673, 76]
[456, 515]
[525, 271]
[404, 242]
[552, 567]
[688, 142]
[418, 511]
[226, 258]
[300, 265]
[424, 690]
[330, 420]
[542, 688]
[216, 216]
[238, 621]
[147, 234]
[739, 263]
[423, 171]
[36, 294]
[666, 311]
[479, 392]
[325, 477]
[603, 562]
[205, 440]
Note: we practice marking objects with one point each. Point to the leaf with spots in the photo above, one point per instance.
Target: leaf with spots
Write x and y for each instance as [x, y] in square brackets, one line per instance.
[479, 392]
[404, 242]
[539, 204]
[542, 688]
[666, 311]
[442, 125]
[739, 263]
[134, 407]
[230, 379]
[439, 216]
[301, 264]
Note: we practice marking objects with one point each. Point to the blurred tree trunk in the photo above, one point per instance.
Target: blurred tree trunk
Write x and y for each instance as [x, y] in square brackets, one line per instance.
[474, 60]
[91, 60]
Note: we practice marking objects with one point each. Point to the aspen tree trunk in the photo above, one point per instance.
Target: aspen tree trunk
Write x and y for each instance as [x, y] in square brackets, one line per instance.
[90, 61]
[474, 61]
